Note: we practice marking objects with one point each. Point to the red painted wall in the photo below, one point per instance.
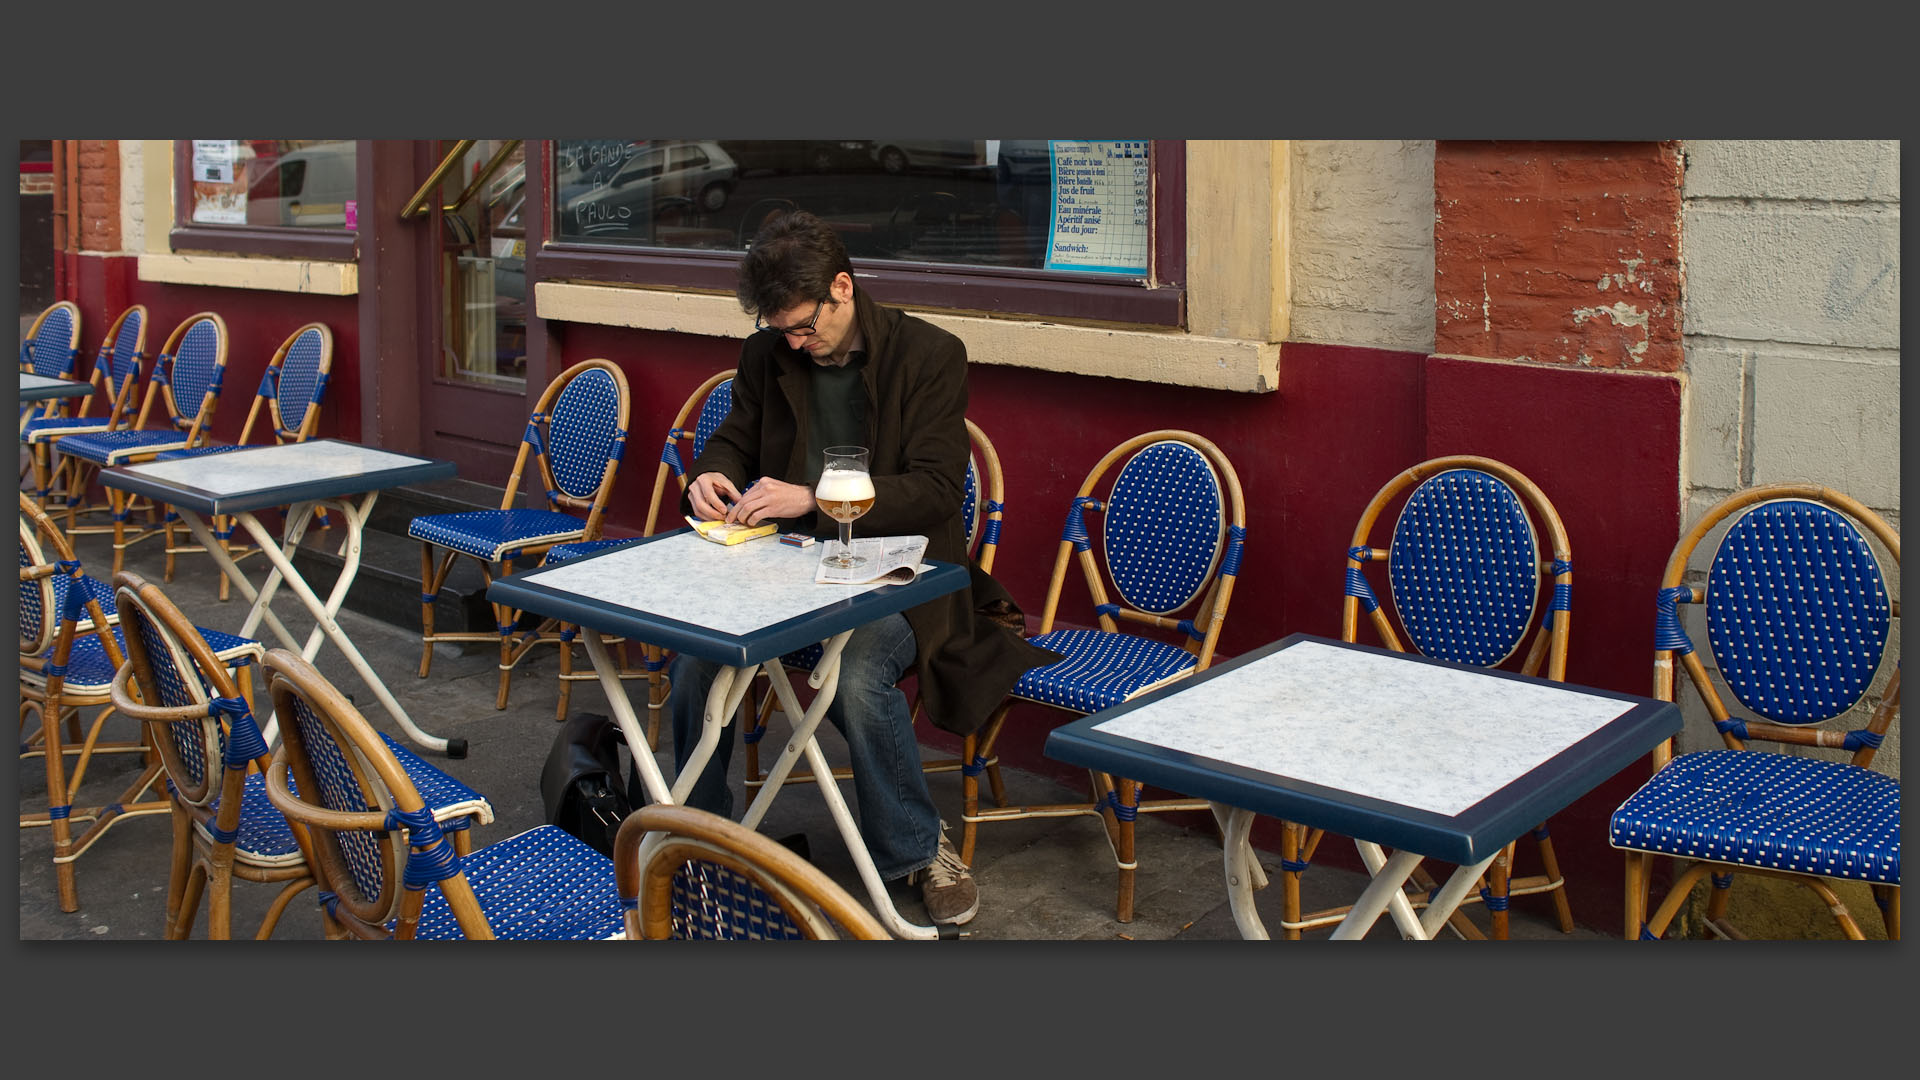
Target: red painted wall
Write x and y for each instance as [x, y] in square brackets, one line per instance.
[257, 324]
[1558, 252]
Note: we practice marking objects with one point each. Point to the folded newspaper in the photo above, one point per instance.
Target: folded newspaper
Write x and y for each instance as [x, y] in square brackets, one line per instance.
[893, 559]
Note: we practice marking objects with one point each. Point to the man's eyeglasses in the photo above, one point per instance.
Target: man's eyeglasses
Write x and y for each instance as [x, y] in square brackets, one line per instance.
[805, 329]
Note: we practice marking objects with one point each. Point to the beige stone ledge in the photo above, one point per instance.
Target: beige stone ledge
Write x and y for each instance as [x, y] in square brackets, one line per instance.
[274, 275]
[1173, 357]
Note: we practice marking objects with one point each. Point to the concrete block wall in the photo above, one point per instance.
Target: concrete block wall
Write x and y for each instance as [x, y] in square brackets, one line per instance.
[1792, 316]
[1360, 244]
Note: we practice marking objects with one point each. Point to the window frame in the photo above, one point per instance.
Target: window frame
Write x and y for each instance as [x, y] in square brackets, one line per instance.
[1001, 291]
[280, 241]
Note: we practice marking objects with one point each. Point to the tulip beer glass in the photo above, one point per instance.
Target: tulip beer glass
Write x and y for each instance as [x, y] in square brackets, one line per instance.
[844, 492]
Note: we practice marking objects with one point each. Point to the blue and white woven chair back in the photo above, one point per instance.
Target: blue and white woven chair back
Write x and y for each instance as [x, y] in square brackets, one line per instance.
[970, 505]
[1165, 527]
[39, 613]
[712, 411]
[713, 902]
[1463, 566]
[343, 781]
[51, 352]
[195, 371]
[301, 381]
[1798, 613]
[194, 748]
[123, 362]
[584, 432]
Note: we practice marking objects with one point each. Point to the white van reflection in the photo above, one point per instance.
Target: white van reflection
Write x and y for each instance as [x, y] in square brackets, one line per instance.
[309, 186]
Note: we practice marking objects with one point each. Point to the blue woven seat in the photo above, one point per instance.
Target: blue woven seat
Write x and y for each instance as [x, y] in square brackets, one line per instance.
[370, 820]
[1169, 531]
[187, 378]
[530, 887]
[1798, 618]
[90, 669]
[1465, 582]
[1101, 669]
[576, 437]
[1754, 808]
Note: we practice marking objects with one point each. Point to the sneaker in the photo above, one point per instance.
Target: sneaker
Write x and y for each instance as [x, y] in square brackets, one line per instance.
[947, 886]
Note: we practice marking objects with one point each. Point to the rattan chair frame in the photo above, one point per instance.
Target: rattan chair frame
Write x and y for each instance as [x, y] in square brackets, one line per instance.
[655, 670]
[1639, 924]
[200, 863]
[117, 393]
[58, 706]
[1548, 650]
[196, 425]
[371, 763]
[983, 542]
[1209, 612]
[268, 396]
[515, 645]
[657, 840]
[29, 349]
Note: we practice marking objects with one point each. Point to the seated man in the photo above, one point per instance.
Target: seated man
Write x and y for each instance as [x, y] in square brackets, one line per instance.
[829, 367]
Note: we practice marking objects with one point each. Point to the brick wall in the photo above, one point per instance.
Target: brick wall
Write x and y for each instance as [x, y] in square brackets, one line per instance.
[99, 195]
[1559, 253]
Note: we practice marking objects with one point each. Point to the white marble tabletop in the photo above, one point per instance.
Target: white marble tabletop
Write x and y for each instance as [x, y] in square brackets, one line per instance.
[1431, 737]
[257, 476]
[39, 387]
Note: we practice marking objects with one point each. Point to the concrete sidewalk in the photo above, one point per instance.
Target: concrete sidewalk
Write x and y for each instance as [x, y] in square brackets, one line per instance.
[1046, 879]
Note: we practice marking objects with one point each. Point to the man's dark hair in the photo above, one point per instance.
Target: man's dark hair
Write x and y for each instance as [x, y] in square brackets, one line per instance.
[793, 259]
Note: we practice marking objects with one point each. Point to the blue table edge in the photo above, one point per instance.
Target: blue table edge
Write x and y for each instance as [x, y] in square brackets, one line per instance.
[525, 593]
[202, 501]
[1475, 833]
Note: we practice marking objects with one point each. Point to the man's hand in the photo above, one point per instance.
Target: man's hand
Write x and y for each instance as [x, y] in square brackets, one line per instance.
[767, 498]
[711, 495]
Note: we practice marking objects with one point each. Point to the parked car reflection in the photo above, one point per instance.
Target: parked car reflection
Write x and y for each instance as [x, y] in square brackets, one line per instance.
[656, 177]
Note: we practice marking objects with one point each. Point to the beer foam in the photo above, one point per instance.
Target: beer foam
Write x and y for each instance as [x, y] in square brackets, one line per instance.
[843, 485]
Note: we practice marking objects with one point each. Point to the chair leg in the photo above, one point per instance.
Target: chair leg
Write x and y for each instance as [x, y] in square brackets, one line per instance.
[1125, 812]
[1500, 887]
[566, 672]
[58, 805]
[121, 502]
[504, 617]
[223, 530]
[220, 899]
[1550, 863]
[658, 689]
[1291, 867]
[179, 866]
[1719, 895]
[1636, 897]
[182, 927]
[166, 527]
[428, 587]
[279, 908]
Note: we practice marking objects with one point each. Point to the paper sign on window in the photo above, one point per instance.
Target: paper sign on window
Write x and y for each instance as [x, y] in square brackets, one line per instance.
[1102, 208]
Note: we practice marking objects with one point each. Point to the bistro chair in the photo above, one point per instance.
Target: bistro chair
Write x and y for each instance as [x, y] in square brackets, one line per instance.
[712, 399]
[383, 863]
[289, 397]
[576, 436]
[186, 379]
[51, 350]
[686, 874]
[1170, 544]
[983, 517]
[70, 650]
[1798, 616]
[1465, 581]
[216, 760]
[116, 371]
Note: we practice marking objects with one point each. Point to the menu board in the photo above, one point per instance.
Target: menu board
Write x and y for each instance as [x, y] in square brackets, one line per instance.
[1102, 206]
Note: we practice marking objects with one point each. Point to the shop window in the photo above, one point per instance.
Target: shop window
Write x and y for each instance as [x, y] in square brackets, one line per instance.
[1063, 228]
[287, 197]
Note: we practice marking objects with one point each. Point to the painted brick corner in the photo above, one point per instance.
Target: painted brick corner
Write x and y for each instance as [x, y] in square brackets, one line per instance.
[1559, 253]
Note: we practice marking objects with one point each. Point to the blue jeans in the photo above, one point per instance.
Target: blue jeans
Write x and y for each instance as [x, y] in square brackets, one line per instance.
[897, 817]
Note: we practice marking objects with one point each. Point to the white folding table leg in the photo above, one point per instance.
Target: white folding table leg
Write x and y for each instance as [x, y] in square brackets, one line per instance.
[1241, 866]
[259, 611]
[826, 675]
[453, 748]
[1441, 907]
[1383, 892]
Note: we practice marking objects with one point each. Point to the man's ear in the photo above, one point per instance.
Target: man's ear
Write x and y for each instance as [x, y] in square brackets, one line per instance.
[842, 287]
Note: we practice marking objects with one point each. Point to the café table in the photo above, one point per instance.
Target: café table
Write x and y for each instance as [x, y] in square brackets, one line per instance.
[40, 387]
[1429, 758]
[743, 606]
[304, 477]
